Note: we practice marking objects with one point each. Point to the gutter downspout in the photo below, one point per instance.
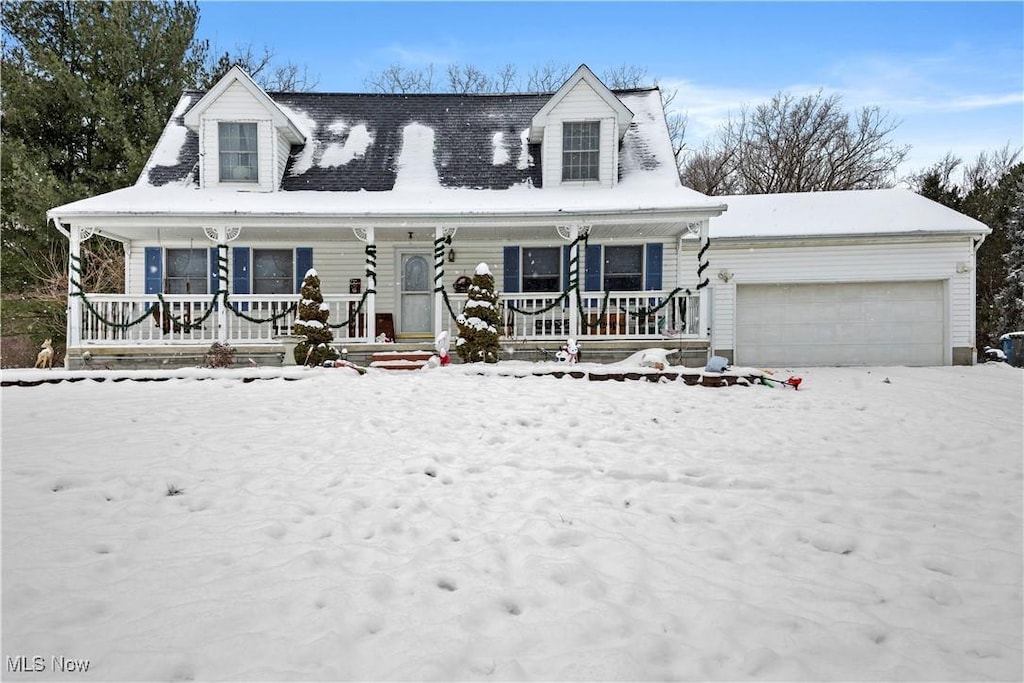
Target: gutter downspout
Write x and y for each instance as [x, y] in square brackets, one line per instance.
[976, 245]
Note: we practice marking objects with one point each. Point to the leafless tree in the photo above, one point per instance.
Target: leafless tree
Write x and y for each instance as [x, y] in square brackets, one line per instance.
[989, 167]
[468, 79]
[805, 144]
[625, 76]
[260, 65]
[505, 81]
[709, 170]
[402, 80]
[547, 77]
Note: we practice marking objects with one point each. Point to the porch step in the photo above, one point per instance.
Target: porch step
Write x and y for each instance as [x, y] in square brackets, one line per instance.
[400, 360]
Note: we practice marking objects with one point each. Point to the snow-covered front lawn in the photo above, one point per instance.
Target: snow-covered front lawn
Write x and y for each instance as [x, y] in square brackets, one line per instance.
[443, 525]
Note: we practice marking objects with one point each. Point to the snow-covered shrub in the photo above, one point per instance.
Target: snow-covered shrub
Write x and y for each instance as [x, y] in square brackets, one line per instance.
[312, 324]
[219, 356]
[480, 320]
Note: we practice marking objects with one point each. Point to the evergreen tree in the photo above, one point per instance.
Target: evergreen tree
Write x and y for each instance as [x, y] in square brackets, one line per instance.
[312, 324]
[87, 89]
[1010, 300]
[983, 193]
[480, 319]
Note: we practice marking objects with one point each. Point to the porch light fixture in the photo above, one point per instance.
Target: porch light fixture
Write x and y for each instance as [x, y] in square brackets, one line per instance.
[451, 256]
[724, 275]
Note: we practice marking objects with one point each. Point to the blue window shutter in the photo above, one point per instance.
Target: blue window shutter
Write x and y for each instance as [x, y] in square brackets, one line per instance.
[565, 267]
[240, 273]
[652, 270]
[303, 262]
[240, 270]
[214, 281]
[511, 269]
[154, 270]
[592, 280]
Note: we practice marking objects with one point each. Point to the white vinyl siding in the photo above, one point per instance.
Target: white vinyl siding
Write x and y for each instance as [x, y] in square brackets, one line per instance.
[580, 104]
[284, 150]
[887, 261]
[236, 105]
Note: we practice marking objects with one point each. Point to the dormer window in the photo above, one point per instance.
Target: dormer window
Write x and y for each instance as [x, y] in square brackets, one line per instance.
[581, 150]
[239, 161]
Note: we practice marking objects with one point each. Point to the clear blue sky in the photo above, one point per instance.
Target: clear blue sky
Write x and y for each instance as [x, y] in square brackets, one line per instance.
[952, 72]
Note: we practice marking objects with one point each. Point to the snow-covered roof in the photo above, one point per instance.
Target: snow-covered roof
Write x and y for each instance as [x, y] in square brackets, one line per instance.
[418, 200]
[854, 212]
[356, 141]
[426, 155]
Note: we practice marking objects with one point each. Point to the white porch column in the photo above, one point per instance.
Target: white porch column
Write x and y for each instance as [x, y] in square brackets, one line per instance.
[704, 268]
[574, 280]
[371, 284]
[222, 284]
[126, 247]
[75, 270]
[439, 234]
[442, 236]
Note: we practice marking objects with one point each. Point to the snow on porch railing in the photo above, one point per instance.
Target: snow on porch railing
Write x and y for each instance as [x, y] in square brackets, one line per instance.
[627, 315]
[187, 319]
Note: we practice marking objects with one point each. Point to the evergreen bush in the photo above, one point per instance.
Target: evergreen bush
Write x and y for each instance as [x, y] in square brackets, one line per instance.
[480, 320]
[312, 324]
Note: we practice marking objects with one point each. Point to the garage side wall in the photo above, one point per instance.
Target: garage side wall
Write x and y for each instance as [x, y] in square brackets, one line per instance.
[750, 262]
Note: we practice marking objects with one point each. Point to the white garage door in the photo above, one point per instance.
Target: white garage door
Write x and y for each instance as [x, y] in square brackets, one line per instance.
[875, 323]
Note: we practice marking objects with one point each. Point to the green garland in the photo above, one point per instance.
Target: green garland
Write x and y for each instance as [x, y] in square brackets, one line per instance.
[371, 276]
[184, 323]
[440, 243]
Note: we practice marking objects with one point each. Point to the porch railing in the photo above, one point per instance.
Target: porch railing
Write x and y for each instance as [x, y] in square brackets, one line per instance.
[625, 316]
[188, 319]
[113, 319]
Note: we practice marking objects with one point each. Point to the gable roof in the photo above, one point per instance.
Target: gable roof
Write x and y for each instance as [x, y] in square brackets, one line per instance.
[585, 75]
[355, 141]
[236, 75]
[840, 213]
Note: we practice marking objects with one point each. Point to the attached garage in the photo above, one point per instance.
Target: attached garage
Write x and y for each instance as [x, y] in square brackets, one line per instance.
[864, 323]
[869, 277]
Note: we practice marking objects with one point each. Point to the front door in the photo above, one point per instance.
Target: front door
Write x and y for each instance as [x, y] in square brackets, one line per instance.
[416, 294]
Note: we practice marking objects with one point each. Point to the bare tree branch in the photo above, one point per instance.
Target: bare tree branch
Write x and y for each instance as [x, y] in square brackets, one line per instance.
[791, 144]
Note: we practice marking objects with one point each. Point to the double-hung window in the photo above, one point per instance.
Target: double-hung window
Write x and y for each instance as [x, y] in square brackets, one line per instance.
[541, 269]
[581, 150]
[623, 268]
[273, 271]
[186, 271]
[238, 157]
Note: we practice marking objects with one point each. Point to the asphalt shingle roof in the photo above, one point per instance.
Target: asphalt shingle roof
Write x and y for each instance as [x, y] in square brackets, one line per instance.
[464, 128]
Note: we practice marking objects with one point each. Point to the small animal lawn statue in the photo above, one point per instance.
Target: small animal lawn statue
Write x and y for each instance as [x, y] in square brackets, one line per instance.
[569, 352]
[45, 357]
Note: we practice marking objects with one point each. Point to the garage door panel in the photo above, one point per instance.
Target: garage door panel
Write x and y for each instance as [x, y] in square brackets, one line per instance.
[885, 323]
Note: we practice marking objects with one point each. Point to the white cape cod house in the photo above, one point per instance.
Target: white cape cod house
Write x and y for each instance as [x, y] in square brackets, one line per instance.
[571, 198]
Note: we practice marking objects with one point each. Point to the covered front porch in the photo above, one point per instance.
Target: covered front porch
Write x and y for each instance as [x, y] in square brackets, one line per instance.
[393, 285]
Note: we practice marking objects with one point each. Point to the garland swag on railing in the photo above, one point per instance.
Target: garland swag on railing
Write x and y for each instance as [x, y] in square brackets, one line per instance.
[185, 322]
[371, 276]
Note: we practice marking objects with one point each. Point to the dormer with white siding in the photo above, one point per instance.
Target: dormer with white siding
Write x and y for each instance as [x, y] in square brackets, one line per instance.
[579, 130]
[245, 137]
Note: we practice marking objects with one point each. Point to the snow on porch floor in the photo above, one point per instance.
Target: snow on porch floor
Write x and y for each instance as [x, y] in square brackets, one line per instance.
[444, 525]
